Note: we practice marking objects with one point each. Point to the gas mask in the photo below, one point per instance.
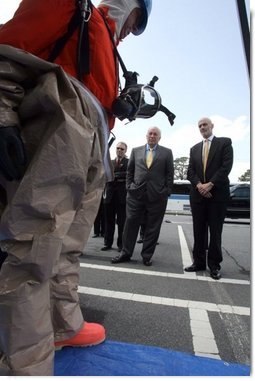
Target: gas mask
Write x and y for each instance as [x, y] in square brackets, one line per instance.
[139, 101]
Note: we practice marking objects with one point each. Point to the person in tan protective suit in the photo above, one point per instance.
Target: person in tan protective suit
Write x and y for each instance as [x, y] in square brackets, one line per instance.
[53, 167]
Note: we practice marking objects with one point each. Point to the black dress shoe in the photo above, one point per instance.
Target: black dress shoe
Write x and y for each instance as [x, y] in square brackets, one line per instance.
[121, 258]
[140, 240]
[194, 268]
[105, 248]
[146, 262]
[215, 274]
[95, 235]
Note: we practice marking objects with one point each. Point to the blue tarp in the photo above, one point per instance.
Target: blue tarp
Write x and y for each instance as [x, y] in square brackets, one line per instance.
[121, 359]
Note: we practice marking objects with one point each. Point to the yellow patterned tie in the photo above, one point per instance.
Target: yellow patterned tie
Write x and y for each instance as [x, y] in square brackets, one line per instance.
[149, 158]
[205, 154]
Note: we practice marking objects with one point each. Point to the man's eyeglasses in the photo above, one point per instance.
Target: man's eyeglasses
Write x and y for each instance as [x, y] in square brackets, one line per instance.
[122, 149]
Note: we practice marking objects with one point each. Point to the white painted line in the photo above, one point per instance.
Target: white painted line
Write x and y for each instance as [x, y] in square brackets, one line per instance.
[196, 314]
[217, 357]
[211, 356]
[164, 301]
[205, 345]
[163, 274]
[186, 257]
[202, 334]
[199, 324]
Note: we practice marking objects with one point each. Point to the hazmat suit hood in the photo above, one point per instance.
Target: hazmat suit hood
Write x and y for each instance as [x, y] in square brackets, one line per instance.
[119, 11]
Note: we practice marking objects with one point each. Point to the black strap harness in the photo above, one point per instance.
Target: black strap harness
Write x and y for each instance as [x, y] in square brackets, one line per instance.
[79, 19]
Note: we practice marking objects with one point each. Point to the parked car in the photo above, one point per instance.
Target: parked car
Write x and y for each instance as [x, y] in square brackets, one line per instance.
[239, 203]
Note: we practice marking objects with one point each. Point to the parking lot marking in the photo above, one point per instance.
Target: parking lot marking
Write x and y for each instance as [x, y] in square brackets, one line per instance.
[184, 276]
[186, 257]
[163, 301]
[202, 334]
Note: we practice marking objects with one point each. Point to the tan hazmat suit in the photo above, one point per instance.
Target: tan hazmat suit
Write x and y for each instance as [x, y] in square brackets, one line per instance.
[47, 216]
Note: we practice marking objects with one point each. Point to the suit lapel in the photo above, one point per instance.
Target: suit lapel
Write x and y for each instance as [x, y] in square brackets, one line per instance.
[143, 152]
[212, 150]
[156, 155]
[198, 157]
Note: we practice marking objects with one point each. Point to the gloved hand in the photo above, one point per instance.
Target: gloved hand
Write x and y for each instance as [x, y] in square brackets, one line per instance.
[12, 153]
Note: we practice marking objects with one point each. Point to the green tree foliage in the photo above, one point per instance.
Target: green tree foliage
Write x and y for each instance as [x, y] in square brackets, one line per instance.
[180, 168]
[246, 176]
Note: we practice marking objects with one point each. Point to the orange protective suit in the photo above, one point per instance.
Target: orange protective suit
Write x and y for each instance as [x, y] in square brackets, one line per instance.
[36, 27]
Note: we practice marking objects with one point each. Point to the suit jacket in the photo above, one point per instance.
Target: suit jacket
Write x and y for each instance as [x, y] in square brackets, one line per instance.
[219, 164]
[117, 187]
[156, 181]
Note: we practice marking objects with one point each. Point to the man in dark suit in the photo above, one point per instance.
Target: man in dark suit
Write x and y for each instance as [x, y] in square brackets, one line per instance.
[209, 166]
[99, 221]
[115, 199]
[149, 183]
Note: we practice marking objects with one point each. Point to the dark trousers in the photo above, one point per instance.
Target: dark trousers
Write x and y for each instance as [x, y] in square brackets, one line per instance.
[114, 211]
[99, 221]
[142, 227]
[208, 215]
[154, 216]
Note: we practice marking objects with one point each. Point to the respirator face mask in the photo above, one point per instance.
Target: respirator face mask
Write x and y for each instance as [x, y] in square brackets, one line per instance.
[139, 101]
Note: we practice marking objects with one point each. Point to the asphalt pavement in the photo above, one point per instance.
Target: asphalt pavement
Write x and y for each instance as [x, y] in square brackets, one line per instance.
[164, 307]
